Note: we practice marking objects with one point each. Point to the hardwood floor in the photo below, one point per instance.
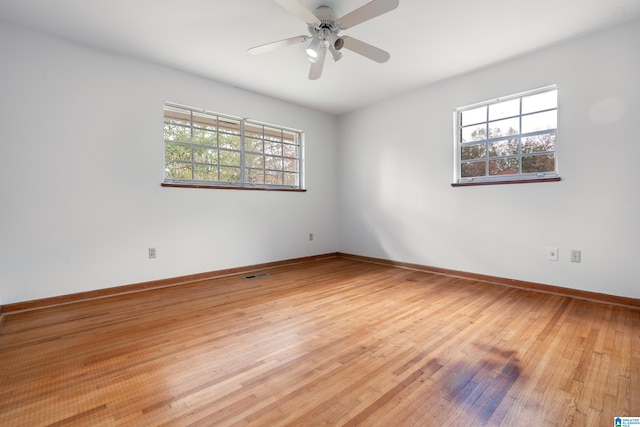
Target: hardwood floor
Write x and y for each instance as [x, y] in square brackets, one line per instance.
[329, 342]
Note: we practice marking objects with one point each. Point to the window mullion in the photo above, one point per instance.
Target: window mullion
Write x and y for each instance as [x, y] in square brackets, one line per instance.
[264, 156]
[486, 143]
[243, 177]
[281, 157]
[520, 139]
[193, 154]
[218, 147]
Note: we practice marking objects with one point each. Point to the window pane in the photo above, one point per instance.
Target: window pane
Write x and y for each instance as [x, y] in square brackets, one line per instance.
[204, 137]
[504, 109]
[539, 143]
[539, 163]
[255, 176]
[504, 128]
[273, 163]
[253, 145]
[505, 147]
[473, 133]
[175, 170]
[254, 161]
[229, 158]
[475, 151]
[539, 121]
[176, 133]
[205, 155]
[273, 148]
[291, 179]
[472, 169]
[273, 177]
[289, 137]
[229, 141]
[272, 134]
[253, 131]
[290, 165]
[503, 166]
[477, 115]
[177, 152]
[290, 150]
[204, 121]
[540, 101]
[205, 173]
[229, 174]
[177, 116]
[229, 125]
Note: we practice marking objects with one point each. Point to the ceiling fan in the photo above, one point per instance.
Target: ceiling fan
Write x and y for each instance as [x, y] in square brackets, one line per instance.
[324, 29]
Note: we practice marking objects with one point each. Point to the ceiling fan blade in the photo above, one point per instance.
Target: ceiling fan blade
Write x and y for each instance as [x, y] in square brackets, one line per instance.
[316, 67]
[365, 49]
[366, 12]
[276, 45]
[300, 11]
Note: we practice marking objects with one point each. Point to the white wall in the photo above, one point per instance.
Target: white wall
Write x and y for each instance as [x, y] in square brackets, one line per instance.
[82, 159]
[396, 167]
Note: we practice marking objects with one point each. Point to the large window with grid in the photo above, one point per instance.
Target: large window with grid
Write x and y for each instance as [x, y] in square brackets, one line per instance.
[508, 139]
[203, 148]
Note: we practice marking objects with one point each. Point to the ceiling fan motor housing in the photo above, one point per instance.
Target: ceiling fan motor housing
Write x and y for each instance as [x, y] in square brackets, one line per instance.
[327, 18]
[328, 28]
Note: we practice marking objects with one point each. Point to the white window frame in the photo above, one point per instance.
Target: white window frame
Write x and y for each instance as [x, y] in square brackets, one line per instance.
[515, 157]
[249, 134]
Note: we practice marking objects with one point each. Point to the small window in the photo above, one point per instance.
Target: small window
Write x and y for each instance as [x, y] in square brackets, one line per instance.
[508, 139]
[202, 148]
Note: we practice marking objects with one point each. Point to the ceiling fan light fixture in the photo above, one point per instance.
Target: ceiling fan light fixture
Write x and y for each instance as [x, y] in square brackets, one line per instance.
[336, 55]
[336, 42]
[313, 50]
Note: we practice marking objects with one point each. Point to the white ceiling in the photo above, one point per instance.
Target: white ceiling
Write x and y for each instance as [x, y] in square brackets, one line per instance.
[429, 40]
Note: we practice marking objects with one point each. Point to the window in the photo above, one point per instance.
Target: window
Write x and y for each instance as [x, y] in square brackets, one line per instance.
[508, 139]
[202, 148]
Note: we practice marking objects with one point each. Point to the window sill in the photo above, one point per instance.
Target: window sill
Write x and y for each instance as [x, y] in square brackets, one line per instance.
[514, 181]
[229, 187]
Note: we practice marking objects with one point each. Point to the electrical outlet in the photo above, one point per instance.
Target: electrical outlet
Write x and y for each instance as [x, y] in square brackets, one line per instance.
[576, 255]
[310, 237]
[152, 253]
[552, 253]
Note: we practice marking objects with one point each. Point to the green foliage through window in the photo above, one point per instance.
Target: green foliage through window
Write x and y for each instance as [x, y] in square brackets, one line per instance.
[204, 148]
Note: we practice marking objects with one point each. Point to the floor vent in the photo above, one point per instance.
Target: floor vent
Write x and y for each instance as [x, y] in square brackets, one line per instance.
[256, 276]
